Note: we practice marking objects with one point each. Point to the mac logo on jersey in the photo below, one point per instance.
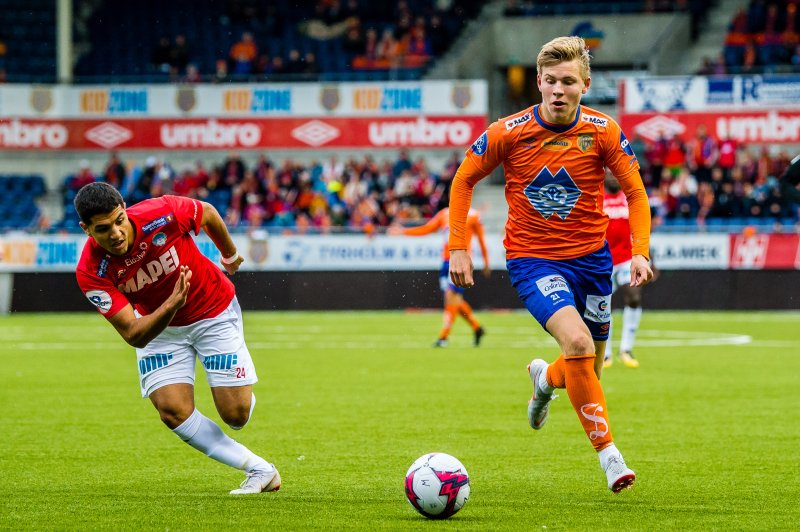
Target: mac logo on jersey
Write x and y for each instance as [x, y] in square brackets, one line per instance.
[553, 194]
[479, 146]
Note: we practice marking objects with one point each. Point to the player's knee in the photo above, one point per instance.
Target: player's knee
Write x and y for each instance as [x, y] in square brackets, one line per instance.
[173, 417]
[237, 417]
[578, 343]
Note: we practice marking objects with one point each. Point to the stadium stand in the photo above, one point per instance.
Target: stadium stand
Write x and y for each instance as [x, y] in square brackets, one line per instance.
[18, 209]
[28, 41]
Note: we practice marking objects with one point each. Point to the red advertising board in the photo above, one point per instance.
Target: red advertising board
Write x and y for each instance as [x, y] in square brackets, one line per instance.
[762, 126]
[765, 251]
[241, 133]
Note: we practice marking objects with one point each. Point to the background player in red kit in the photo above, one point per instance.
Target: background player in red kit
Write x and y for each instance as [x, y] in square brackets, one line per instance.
[454, 302]
[143, 272]
[618, 235]
[554, 157]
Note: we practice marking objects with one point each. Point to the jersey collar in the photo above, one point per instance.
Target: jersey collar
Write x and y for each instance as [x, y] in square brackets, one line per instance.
[553, 127]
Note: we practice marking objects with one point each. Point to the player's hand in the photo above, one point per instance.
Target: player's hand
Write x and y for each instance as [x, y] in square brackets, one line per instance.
[641, 274]
[461, 268]
[181, 291]
[233, 267]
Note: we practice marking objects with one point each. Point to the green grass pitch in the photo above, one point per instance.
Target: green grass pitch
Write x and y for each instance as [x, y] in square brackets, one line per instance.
[348, 400]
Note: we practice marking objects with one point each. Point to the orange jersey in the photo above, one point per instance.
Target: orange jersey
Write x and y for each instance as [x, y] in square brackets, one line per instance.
[441, 222]
[554, 184]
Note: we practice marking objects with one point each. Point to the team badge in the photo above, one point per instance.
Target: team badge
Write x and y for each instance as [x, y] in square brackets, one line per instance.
[259, 250]
[185, 99]
[553, 193]
[586, 142]
[41, 100]
[329, 97]
[160, 239]
[461, 96]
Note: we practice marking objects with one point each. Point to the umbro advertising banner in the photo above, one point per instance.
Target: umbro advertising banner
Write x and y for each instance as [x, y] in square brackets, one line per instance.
[242, 133]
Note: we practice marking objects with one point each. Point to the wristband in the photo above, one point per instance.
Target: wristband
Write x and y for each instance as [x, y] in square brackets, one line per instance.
[230, 260]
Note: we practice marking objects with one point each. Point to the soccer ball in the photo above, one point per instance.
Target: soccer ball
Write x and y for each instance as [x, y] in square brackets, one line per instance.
[437, 485]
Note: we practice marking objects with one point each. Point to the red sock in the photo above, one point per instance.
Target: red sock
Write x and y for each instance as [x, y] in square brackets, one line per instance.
[587, 399]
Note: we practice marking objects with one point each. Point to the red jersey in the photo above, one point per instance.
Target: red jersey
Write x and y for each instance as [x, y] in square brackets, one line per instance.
[441, 222]
[554, 183]
[146, 275]
[618, 233]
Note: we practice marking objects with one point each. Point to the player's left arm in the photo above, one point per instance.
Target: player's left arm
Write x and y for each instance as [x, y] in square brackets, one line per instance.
[214, 226]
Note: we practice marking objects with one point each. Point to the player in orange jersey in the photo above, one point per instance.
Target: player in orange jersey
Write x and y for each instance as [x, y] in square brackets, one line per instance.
[554, 156]
[454, 302]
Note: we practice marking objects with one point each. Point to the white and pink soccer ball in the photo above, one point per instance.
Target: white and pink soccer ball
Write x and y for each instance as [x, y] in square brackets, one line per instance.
[437, 485]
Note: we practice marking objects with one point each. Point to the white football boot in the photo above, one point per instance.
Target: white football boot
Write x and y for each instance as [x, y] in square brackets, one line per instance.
[619, 475]
[539, 405]
[259, 481]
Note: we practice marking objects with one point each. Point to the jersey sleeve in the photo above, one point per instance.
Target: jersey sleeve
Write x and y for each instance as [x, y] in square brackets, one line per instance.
[101, 293]
[622, 162]
[188, 213]
[482, 157]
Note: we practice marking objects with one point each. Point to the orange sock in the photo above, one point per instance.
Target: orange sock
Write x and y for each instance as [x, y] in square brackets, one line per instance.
[587, 399]
[555, 373]
[466, 310]
[448, 317]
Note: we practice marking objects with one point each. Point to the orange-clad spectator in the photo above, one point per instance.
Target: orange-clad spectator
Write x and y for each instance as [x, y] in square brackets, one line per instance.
[243, 53]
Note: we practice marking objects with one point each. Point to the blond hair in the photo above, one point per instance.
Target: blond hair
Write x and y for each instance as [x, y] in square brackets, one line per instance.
[562, 49]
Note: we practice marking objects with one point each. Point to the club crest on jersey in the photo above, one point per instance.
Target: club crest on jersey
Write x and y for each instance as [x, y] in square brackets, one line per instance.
[596, 120]
[479, 146]
[158, 223]
[557, 144]
[586, 142]
[514, 122]
[160, 239]
[553, 194]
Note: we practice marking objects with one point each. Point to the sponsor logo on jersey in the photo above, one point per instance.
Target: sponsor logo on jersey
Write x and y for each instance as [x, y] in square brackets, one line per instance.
[586, 142]
[598, 309]
[553, 194]
[479, 146]
[158, 223]
[155, 361]
[102, 268]
[552, 283]
[596, 120]
[152, 271]
[130, 261]
[160, 239]
[100, 299]
[514, 122]
[557, 144]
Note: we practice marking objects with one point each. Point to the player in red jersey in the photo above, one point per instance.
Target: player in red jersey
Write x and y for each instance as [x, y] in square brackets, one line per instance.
[143, 272]
[618, 235]
[554, 157]
[454, 302]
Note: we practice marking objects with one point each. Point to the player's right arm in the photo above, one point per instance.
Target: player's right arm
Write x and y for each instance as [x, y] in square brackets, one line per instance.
[481, 158]
[138, 332]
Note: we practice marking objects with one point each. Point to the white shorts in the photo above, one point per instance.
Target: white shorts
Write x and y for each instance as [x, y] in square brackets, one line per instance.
[217, 342]
[620, 275]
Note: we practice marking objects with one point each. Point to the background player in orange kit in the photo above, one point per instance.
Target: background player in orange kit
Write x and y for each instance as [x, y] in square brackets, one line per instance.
[143, 272]
[554, 157]
[454, 302]
[618, 235]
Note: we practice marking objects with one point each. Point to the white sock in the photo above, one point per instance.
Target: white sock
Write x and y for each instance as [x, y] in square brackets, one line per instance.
[630, 326]
[609, 351]
[206, 436]
[250, 415]
[544, 385]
